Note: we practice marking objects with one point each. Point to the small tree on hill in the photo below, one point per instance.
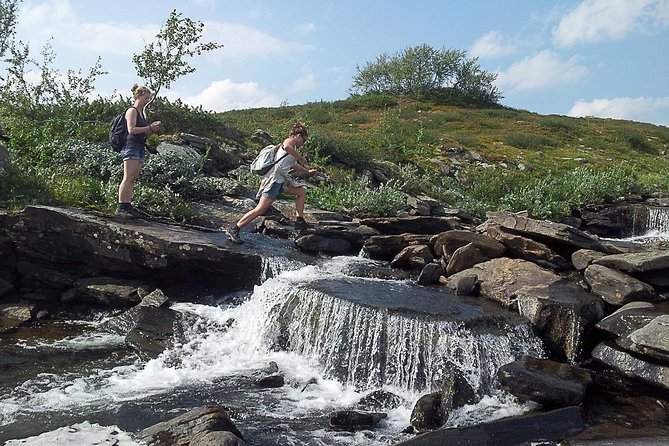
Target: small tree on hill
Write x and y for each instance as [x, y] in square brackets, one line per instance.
[163, 61]
[427, 73]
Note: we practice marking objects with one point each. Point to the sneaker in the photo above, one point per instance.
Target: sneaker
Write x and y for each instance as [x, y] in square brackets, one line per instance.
[124, 210]
[301, 224]
[233, 234]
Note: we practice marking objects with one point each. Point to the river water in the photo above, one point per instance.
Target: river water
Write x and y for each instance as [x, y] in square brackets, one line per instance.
[65, 381]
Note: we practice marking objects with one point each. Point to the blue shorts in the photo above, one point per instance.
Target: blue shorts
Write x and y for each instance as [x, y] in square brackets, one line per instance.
[273, 191]
[132, 153]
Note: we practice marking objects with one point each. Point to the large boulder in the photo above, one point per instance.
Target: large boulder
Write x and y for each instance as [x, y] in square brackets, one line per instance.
[615, 287]
[534, 428]
[88, 244]
[631, 366]
[562, 238]
[183, 429]
[561, 311]
[549, 383]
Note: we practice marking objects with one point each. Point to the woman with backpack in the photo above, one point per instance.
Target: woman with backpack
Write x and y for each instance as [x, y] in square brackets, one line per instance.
[278, 180]
[133, 151]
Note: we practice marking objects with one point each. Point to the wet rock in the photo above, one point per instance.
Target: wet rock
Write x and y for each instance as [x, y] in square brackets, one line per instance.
[628, 318]
[379, 400]
[217, 438]
[155, 329]
[376, 270]
[272, 381]
[315, 243]
[353, 420]
[446, 243]
[413, 257]
[182, 429]
[430, 274]
[465, 257]
[632, 366]
[615, 287]
[534, 428]
[426, 413]
[109, 291]
[546, 382]
[20, 312]
[652, 339]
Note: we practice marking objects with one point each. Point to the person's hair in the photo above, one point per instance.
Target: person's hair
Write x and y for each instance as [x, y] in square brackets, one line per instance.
[298, 129]
[138, 90]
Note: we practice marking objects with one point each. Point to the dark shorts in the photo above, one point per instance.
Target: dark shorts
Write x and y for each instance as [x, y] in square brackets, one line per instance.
[273, 191]
[132, 153]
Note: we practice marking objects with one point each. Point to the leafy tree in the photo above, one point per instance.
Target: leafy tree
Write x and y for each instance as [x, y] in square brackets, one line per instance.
[427, 73]
[163, 61]
[7, 23]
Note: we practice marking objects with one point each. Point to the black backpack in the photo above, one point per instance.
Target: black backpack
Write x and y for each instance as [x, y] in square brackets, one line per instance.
[118, 131]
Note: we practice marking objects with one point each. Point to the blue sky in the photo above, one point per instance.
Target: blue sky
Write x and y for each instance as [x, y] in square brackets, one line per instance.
[605, 58]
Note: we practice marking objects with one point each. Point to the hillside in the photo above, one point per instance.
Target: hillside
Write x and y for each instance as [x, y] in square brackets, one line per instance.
[373, 150]
[517, 148]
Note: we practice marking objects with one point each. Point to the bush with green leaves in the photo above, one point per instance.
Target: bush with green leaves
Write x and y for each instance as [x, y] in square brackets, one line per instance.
[356, 198]
[424, 72]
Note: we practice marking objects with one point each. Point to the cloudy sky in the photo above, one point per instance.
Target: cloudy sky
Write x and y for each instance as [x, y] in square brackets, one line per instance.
[604, 58]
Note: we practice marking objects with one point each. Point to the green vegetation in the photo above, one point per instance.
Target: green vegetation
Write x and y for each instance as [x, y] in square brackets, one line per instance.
[423, 72]
[375, 147]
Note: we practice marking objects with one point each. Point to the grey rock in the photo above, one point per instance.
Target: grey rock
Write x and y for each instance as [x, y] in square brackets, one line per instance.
[632, 366]
[465, 257]
[615, 287]
[546, 382]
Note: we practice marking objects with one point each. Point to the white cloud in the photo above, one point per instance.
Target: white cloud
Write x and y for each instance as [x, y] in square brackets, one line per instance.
[637, 109]
[603, 20]
[40, 21]
[226, 95]
[542, 70]
[304, 83]
[242, 42]
[492, 45]
[58, 19]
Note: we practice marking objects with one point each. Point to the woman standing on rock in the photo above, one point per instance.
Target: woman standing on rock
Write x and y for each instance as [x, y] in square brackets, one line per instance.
[278, 180]
[134, 149]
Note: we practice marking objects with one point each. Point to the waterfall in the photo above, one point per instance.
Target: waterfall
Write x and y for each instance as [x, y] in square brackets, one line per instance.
[371, 348]
[658, 220]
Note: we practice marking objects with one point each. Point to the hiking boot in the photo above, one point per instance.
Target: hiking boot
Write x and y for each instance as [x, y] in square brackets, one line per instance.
[233, 234]
[301, 225]
[125, 210]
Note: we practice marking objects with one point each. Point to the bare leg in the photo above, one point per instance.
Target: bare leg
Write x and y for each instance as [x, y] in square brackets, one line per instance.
[263, 205]
[131, 170]
[300, 198]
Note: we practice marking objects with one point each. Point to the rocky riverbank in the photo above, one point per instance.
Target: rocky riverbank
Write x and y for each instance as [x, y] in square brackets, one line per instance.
[600, 308]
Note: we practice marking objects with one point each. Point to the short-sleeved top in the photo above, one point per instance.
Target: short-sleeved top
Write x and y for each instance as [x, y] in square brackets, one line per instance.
[280, 173]
[137, 140]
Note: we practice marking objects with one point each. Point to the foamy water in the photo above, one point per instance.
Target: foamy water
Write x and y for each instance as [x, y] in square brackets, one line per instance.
[225, 342]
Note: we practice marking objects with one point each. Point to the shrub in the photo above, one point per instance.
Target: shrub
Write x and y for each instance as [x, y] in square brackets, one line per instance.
[355, 198]
[529, 141]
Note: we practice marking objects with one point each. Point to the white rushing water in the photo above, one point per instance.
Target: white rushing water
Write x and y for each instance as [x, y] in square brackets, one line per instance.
[238, 341]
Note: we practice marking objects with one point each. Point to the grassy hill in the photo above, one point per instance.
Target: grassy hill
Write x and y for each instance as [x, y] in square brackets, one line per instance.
[547, 164]
[375, 149]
